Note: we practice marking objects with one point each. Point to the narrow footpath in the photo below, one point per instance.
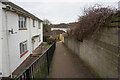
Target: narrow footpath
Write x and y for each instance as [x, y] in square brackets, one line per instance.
[67, 65]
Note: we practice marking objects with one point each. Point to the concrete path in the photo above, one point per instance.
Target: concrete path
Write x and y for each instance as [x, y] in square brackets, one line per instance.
[67, 65]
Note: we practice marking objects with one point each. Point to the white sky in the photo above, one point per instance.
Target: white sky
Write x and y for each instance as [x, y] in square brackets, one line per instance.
[60, 11]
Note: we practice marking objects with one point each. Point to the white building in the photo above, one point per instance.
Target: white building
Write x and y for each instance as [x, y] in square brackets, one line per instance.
[20, 33]
[62, 29]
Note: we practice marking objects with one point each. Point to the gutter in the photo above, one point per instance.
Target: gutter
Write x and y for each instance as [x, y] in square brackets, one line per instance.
[24, 12]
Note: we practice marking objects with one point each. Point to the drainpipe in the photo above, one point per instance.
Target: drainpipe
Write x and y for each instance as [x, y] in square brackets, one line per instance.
[9, 64]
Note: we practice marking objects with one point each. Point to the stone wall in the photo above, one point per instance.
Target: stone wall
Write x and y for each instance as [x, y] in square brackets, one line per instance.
[99, 52]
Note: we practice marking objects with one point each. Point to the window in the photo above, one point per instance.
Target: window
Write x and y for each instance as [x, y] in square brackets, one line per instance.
[23, 47]
[33, 23]
[22, 22]
[39, 25]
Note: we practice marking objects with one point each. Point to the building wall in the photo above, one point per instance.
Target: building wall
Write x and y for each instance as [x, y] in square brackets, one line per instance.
[36, 31]
[64, 29]
[11, 42]
[20, 36]
[36, 43]
[41, 32]
[5, 50]
[100, 53]
[11, 49]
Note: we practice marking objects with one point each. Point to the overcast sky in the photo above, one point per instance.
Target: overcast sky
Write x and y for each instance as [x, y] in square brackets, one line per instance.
[60, 11]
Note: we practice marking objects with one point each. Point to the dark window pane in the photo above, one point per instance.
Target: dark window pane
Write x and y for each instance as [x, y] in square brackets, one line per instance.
[23, 47]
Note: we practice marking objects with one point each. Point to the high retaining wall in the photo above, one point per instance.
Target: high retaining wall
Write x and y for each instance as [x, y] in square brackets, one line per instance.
[101, 53]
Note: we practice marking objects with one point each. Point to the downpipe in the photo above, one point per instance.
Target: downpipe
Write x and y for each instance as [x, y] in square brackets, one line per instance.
[6, 17]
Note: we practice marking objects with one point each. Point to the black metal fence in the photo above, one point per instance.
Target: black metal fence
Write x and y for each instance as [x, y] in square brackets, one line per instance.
[40, 68]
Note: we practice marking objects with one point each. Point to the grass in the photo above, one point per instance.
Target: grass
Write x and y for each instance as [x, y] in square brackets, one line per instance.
[48, 45]
[43, 71]
[114, 24]
[116, 19]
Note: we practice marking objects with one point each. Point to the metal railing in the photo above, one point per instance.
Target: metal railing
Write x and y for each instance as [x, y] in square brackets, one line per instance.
[40, 68]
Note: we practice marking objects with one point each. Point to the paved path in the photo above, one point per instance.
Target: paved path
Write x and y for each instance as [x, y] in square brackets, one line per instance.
[67, 65]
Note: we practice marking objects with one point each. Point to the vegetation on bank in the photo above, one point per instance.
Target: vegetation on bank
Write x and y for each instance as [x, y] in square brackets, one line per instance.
[94, 17]
[47, 25]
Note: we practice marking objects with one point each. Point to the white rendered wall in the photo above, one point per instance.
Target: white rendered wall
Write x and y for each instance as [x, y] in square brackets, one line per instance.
[15, 40]
[36, 43]
[10, 50]
[63, 29]
[34, 30]
[38, 32]
[11, 43]
[5, 51]
[30, 40]
[41, 31]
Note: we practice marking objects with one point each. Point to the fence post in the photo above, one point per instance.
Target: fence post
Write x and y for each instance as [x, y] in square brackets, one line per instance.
[20, 77]
[47, 62]
[27, 74]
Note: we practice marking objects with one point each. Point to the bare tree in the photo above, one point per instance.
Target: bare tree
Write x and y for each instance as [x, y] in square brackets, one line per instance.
[93, 18]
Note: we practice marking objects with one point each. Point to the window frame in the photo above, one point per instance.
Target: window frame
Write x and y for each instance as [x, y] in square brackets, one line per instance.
[22, 22]
[23, 48]
[33, 22]
[39, 25]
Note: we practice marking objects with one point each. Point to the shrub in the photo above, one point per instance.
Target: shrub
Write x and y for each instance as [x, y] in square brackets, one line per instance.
[93, 18]
[50, 40]
[45, 38]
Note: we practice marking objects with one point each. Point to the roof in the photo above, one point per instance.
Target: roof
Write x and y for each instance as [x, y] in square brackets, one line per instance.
[15, 8]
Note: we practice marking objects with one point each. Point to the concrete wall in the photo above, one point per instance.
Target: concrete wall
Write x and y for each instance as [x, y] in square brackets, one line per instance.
[73, 44]
[100, 53]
